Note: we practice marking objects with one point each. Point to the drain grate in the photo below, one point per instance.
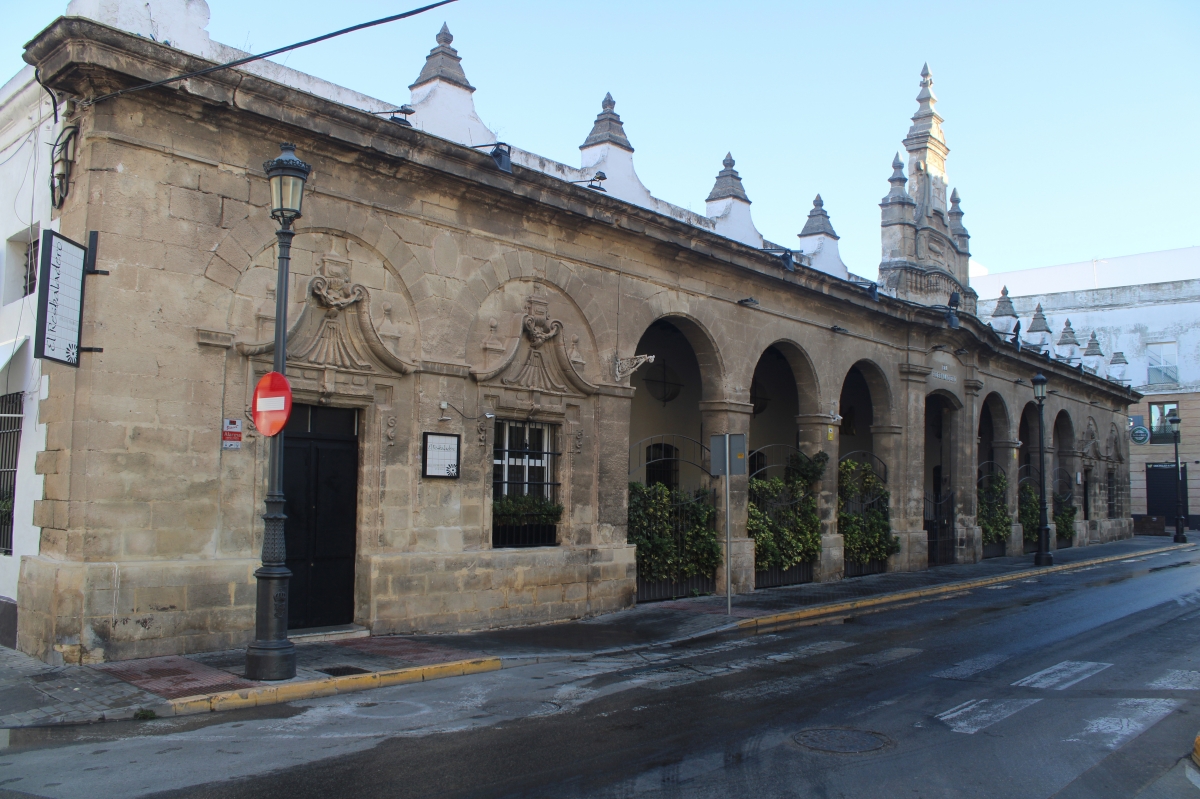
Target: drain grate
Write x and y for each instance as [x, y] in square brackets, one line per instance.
[841, 741]
[342, 671]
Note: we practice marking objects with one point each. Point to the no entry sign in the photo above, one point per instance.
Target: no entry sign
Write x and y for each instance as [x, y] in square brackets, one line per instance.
[272, 403]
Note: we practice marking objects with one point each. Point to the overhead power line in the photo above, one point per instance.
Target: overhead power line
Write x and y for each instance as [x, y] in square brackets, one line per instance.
[248, 59]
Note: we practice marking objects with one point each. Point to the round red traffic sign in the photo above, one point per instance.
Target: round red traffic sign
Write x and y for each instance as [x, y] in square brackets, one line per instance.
[272, 403]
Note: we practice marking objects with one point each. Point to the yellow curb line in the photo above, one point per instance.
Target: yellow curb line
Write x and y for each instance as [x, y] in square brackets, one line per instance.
[883, 599]
[1196, 751]
[330, 686]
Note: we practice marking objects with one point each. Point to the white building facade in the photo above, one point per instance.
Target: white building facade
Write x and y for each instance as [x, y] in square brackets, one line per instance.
[1146, 335]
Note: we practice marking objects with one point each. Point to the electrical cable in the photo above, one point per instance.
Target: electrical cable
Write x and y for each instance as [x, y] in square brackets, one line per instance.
[248, 59]
[486, 414]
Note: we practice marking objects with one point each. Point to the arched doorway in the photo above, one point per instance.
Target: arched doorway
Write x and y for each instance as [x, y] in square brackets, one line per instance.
[672, 503]
[939, 478]
[1063, 479]
[782, 513]
[863, 516]
[1029, 477]
[993, 513]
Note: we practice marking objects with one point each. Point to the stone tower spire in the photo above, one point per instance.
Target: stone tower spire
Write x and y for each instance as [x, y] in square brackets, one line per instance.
[927, 151]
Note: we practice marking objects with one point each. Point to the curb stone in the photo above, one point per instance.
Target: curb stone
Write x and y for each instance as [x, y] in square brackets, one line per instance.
[332, 686]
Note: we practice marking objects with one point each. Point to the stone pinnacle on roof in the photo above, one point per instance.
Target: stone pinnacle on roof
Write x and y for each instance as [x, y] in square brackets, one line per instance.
[443, 63]
[1004, 306]
[608, 127]
[1093, 346]
[956, 214]
[1038, 325]
[729, 183]
[818, 221]
[1118, 357]
[1068, 336]
[897, 192]
[926, 120]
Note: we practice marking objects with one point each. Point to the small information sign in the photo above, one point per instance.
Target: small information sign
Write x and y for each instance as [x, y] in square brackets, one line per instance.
[60, 299]
[231, 434]
[439, 455]
[1139, 434]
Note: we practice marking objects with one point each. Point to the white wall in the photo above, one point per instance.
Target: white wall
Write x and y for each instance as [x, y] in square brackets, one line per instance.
[27, 129]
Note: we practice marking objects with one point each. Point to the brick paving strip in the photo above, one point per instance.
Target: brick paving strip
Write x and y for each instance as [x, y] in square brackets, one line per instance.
[33, 693]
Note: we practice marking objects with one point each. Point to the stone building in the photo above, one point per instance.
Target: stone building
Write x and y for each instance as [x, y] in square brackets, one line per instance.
[572, 340]
[1145, 335]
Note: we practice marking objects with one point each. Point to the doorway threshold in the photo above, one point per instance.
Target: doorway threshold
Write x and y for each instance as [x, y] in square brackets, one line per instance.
[336, 632]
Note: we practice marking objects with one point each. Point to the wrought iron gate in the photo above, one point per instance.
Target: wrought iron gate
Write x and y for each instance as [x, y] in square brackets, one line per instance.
[679, 464]
[991, 502]
[861, 498]
[939, 526]
[779, 460]
[1063, 484]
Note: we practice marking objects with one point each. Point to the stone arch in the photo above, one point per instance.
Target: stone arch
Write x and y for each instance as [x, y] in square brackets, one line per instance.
[808, 386]
[1063, 432]
[949, 396]
[495, 326]
[1002, 423]
[392, 309]
[704, 346]
[512, 266]
[880, 388]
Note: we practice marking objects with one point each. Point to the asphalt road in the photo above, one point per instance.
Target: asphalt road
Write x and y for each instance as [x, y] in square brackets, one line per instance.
[1083, 684]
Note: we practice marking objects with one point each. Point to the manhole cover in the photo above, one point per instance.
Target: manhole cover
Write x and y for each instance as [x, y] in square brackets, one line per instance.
[840, 741]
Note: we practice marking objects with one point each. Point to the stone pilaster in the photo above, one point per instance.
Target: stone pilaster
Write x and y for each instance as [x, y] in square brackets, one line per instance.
[1008, 456]
[906, 469]
[720, 417]
[819, 433]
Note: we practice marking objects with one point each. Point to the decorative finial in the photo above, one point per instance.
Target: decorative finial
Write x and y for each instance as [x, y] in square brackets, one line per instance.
[443, 63]
[608, 127]
[444, 36]
[897, 192]
[729, 183]
[954, 197]
[818, 221]
[1093, 346]
[925, 73]
[1004, 292]
[898, 166]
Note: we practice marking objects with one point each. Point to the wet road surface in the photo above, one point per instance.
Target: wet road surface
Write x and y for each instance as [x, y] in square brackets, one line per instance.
[1081, 684]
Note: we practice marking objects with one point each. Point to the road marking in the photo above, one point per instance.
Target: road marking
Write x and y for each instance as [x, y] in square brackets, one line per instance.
[969, 668]
[1137, 716]
[1178, 681]
[971, 717]
[788, 685]
[998, 587]
[1062, 675]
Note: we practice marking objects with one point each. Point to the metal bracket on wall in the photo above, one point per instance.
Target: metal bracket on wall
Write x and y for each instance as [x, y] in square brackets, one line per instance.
[89, 268]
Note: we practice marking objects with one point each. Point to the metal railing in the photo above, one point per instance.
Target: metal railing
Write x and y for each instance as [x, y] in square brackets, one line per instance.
[939, 526]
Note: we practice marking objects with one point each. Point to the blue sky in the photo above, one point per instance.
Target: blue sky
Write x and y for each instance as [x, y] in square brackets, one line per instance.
[1072, 126]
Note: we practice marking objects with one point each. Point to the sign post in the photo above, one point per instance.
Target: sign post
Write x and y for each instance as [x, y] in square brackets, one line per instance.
[727, 454]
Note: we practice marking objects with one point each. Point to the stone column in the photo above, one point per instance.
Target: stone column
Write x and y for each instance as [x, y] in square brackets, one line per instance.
[717, 418]
[906, 472]
[964, 461]
[819, 433]
[612, 567]
[887, 441]
[1008, 456]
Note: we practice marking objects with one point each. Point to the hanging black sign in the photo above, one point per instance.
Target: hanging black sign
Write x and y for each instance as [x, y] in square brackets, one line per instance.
[60, 299]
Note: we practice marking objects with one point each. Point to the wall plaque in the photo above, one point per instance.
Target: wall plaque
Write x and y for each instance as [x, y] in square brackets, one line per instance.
[439, 455]
[60, 299]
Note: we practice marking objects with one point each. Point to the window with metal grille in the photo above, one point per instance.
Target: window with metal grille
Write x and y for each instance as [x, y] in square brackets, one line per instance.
[1160, 431]
[1110, 485]
[662, 465]
[31, 268]
[525, 508]
[11, 413]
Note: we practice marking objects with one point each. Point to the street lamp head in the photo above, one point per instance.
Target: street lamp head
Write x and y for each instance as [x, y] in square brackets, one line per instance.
[287, 174]
[1174, 420]
[1039, 386]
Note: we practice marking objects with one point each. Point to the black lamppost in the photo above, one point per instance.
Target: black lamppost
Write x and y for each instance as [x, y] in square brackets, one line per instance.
[272, 656]
[1043, 557]
[1180, 522]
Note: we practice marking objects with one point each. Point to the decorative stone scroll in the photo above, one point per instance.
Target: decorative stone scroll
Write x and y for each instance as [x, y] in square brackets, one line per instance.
[538, 359]
[334, 331]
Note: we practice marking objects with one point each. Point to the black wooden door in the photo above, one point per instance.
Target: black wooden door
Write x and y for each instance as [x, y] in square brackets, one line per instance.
[321, 487]
[1161, 488]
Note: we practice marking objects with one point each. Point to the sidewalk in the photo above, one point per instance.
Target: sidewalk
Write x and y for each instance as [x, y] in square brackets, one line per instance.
[34, 694]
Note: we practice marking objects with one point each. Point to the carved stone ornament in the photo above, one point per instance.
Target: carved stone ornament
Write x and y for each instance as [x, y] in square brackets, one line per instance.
[334, 331]
[538, 359]
[624, 367]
